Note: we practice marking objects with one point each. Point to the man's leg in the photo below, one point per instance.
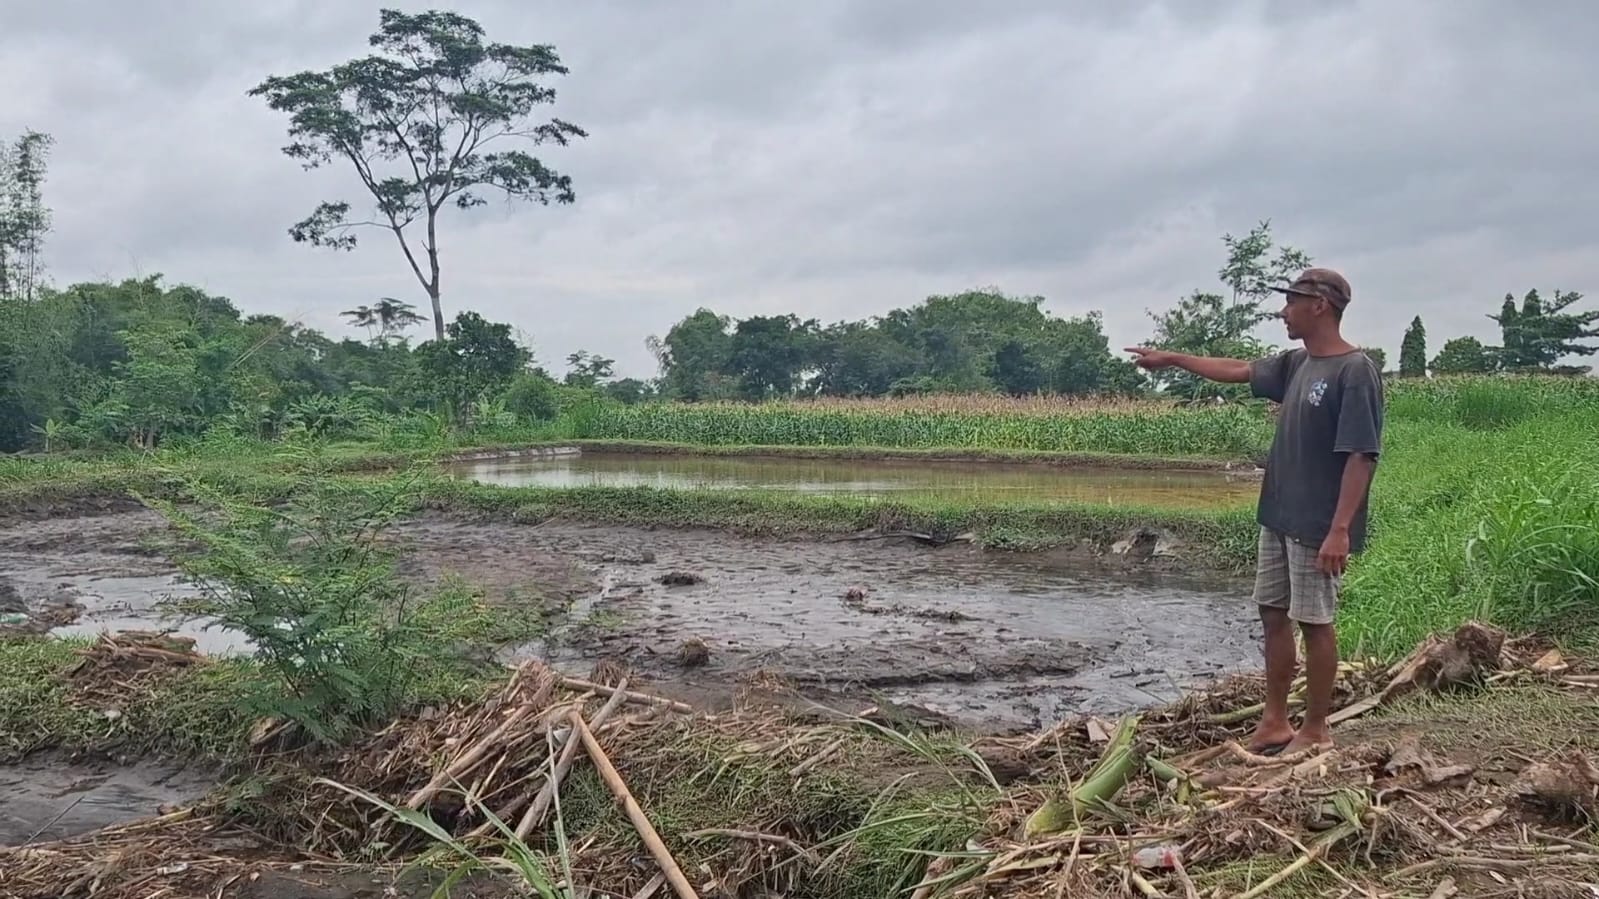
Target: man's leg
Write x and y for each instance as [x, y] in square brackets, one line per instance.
[1313, 604]
[1321, 671]
[1281, 660]
[1273, 591]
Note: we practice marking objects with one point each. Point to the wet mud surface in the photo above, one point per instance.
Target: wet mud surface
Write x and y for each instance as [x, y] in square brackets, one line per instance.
[48, 798]
[994, 641]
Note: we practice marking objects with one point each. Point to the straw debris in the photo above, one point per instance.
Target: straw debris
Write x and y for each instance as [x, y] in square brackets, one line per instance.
[637, 798]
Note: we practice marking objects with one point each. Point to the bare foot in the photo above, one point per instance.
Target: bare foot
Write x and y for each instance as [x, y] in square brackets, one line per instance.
[1309, 742]
[1270, 736]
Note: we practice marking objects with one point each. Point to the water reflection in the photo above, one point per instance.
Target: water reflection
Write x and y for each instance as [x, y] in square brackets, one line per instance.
[994, 482]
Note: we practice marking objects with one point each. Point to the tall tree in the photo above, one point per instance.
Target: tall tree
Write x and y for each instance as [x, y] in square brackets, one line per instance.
[1463, 355]
[24, 219]
[588, 369]
[388, 315]
[1016, 369]
[1211, 324]
[421, 123]
[693, 355]
[859, 358]
[1413, 351]
[769, 354]
[477, 359]
[1251, 270]
[1205, 324]
[1540, 334]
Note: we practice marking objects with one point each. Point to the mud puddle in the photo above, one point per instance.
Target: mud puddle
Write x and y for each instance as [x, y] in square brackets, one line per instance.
[47, 798]
[86, 575]
[994, 641]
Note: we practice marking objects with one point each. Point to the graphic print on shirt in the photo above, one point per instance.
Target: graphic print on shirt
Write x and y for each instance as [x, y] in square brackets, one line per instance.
[1318, 390]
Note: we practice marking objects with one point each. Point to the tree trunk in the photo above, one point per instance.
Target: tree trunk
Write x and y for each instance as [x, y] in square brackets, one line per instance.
[433, 270]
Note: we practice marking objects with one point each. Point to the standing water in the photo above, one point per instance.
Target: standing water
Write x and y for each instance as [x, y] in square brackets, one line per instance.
[986, 481]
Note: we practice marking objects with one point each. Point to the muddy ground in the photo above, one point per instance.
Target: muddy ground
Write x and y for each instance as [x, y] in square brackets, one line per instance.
[993, 641]
[49, 797]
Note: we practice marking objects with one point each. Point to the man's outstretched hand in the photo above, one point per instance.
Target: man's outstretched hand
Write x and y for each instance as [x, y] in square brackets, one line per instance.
[1152, 359]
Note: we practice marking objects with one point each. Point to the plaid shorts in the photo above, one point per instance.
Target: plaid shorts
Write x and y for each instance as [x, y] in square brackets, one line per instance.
[1286, 577]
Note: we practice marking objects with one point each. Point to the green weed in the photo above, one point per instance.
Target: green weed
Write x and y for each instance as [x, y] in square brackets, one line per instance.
[311, 583]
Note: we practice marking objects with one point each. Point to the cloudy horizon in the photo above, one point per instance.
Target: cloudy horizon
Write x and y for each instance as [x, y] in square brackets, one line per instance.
[840, 159]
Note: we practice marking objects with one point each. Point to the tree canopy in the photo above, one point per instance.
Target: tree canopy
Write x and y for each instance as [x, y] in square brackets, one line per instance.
[973, 341]
[431, 120]
[1413, 351]
[24, 218]
[1540, 333]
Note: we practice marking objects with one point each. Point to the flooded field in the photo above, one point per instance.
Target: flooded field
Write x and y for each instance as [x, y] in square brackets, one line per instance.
[993, 482]
[992, 640]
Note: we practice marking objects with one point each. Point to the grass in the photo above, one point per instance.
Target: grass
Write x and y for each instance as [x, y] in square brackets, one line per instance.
[1225, 536]
[1487, 403]
[1531, 718]
[877, 822]
[195, 713]
[199, 712]
[1052, 458]
[1501, 525]
[1220, 539]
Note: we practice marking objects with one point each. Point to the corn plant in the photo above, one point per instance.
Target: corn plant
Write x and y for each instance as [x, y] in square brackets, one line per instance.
[942, 422]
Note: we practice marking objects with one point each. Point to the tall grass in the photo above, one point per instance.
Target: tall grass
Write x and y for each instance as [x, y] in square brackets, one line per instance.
[1500, 524]
[1487, 403]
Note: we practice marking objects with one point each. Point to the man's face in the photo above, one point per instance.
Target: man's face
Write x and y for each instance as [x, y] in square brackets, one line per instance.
[1299, 312]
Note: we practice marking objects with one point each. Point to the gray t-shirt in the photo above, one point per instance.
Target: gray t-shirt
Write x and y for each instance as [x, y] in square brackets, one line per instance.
[1331, 406]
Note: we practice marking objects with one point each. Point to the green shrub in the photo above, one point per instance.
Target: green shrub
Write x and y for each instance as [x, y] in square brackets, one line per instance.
[532, 398]
[311, 583]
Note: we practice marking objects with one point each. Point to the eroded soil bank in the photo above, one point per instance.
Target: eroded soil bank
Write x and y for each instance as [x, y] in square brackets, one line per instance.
[994, 641]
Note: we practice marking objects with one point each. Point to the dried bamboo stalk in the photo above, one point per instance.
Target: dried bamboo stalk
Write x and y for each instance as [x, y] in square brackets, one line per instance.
[471, 757]
[637, 698]
[641, 822]
[541, 806]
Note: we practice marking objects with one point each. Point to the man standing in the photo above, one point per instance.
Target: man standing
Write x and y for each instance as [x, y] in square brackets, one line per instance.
[1313, 501]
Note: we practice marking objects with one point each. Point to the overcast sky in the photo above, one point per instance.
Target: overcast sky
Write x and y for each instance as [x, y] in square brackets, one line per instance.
[837, 159]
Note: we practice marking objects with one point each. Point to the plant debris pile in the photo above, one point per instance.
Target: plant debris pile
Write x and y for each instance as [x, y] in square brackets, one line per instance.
[121, 665]
[1176, 806]
[1163, 803]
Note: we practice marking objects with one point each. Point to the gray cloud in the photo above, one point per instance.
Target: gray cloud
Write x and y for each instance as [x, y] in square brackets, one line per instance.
[838, 159]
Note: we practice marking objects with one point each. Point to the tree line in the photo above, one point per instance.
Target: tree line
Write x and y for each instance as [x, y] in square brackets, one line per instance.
[138, 363]
[1536, 335]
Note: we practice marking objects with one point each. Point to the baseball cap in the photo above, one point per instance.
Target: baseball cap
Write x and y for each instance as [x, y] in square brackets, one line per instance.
[1321, 283]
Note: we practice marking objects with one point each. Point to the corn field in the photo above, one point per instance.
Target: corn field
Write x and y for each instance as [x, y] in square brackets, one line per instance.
[1232, 431]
